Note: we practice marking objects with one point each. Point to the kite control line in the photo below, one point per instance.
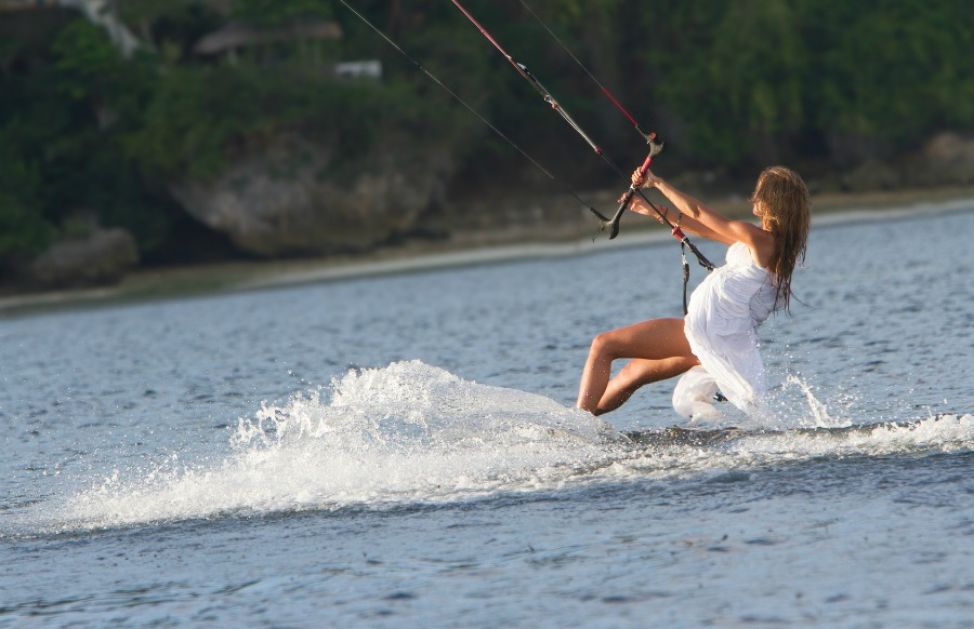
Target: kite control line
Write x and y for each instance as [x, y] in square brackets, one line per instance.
[650, 137]
[526, 74]
[564, 189]
[521, 69]
[655, 146]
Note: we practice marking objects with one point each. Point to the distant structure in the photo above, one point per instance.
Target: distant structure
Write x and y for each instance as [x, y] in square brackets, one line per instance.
[236, 36]
[227, 42]
[99, 12]
[25, 5]
[368, 68]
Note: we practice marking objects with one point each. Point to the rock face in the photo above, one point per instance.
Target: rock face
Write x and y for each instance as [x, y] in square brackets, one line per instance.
[102, 257]
[947, 159]
[289, 200]
[871, 175]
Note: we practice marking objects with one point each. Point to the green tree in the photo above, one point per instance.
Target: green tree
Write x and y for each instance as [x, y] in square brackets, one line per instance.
[274, 12]
[894, 72]
[755, 70]
[23, 229]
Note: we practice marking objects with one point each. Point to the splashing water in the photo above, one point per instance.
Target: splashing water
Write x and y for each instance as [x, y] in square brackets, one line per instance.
[407, 432]
[409, 405]
[820, 417]
[413, 433]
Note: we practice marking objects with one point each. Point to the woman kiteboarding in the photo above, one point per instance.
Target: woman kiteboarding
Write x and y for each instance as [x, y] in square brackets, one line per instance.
[719, 332]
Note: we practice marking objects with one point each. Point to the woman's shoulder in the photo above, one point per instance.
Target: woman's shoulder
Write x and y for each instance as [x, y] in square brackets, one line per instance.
[760, 243]
[743, 252]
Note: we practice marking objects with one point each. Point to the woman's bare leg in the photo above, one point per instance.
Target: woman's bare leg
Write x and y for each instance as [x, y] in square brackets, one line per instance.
[639, 372]
[652, 340]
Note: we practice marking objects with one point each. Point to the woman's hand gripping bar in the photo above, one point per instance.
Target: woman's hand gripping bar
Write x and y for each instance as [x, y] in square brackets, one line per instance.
[613, 223]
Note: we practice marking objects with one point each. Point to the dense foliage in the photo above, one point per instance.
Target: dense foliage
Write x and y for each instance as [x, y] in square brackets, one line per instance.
[729, 85]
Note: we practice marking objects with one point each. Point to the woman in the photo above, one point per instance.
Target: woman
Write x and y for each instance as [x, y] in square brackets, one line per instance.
[720, 330]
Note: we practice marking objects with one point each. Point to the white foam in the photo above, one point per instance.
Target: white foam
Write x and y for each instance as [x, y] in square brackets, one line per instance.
[407, 432]
[412, 433]
[745, 450]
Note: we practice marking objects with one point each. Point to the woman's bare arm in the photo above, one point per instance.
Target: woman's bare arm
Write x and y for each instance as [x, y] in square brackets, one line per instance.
[701, 220]
[687, 224]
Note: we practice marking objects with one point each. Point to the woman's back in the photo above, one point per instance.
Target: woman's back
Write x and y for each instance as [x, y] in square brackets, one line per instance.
[735, 298]
[721, 325]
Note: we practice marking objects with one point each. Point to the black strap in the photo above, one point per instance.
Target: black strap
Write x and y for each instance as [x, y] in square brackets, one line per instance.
[686, 274]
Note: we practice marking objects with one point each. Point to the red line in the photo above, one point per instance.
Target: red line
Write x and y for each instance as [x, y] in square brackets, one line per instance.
[620, 107]
[483, 31]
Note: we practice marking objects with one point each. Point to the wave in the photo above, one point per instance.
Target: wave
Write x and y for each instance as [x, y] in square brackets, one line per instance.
[678, 451]
[412, 433]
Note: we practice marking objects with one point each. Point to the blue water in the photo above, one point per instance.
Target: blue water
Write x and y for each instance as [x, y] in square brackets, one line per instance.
[402, 450]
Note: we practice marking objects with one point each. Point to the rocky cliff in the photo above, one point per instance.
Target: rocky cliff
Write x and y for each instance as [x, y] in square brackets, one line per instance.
[294, 198]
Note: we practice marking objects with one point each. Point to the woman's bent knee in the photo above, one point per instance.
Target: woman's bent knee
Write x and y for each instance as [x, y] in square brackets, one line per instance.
[604, 344]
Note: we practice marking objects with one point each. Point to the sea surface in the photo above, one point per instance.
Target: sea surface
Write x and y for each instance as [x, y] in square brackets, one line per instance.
[402, 451]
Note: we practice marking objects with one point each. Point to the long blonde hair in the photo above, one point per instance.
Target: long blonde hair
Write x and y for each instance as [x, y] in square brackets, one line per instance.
[784, 202]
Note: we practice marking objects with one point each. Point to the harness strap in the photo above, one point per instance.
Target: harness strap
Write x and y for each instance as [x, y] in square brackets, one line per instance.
[686, 274]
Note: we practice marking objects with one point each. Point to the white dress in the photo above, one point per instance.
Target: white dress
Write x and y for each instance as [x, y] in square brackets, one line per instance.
[721, 325]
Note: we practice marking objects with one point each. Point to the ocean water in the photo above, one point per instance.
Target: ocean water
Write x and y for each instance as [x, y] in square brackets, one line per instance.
[402, 451]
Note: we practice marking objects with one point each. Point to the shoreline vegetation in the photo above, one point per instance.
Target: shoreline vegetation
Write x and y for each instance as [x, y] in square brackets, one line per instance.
[462, 249]
[187, 145]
